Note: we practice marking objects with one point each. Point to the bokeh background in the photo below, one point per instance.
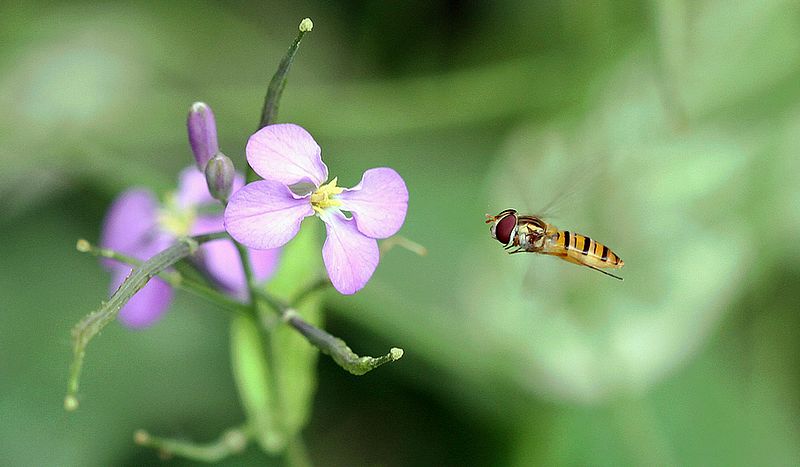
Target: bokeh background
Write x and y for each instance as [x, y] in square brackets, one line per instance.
[669, 130]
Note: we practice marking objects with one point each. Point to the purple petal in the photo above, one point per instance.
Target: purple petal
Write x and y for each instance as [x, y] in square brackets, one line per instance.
[265, 262]
[221, 260]
[207, 224]
[265, 214]
[202, 133]
[350, 256]
[378, 203]
[220, 257]
[147, 306]
[192, 188]
[286, 153]
[131, 224]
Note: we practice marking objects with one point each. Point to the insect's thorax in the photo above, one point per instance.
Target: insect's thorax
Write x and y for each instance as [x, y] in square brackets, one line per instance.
[532, 233]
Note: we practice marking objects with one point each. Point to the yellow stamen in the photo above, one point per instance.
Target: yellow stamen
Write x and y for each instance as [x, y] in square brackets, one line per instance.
[174, 219]
[323, 197]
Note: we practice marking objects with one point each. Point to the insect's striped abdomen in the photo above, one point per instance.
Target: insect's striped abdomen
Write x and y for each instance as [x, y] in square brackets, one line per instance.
[583, 250]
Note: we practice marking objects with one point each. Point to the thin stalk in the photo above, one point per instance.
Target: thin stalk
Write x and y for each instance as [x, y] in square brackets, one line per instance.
[172, 278]
[269, 113]
[297, 454]
[328, 344]
[231, 442]
[94, 322]
[261, 423]
[247, 267]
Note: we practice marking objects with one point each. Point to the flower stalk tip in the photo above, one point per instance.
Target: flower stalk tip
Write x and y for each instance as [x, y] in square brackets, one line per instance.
[83, 245]
[70, 403]
[306, 25]
[141, 437]
[235, 440]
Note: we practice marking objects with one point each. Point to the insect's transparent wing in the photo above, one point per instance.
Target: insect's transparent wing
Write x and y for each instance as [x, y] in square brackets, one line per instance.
[544, 172]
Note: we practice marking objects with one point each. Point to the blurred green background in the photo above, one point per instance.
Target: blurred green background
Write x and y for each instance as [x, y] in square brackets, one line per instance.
[668, 130]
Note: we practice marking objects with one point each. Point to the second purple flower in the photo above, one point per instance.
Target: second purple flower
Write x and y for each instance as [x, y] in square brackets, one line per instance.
[267, 213]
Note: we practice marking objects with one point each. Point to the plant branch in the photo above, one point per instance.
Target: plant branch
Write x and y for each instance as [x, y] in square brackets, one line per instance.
[247, 266]
[328, 344]
[232, 441]
[338, 349]
[269, 113]
[173, 278]
[94, 322]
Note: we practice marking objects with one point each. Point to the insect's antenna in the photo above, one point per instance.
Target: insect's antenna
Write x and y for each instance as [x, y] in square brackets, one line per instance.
[605, 272]
[489, 219]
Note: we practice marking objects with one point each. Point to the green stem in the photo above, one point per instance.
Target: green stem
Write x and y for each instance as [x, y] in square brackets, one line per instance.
[327, 343]
[233, 441]
[252, 373]
[320, 284]
[94, 322]
[172, 278]
[338, 349]
[276, 385]
[671, 21]
[247, 266]
[297, 454]
[267, 424]
[269, 113]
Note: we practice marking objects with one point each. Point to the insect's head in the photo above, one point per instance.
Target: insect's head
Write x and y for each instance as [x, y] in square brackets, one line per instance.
[503, 225]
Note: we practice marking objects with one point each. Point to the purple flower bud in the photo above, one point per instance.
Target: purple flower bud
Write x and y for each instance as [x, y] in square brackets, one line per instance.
[202, 133]
[219, 176]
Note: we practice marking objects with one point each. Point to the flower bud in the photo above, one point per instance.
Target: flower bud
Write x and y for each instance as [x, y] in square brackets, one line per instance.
[202, 133]
[219, 176]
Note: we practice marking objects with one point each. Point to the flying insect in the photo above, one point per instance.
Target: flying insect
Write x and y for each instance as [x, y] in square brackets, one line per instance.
[531, 234]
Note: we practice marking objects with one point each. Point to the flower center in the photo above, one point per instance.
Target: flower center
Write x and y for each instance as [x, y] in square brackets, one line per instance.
[175, 219]
[323, 198]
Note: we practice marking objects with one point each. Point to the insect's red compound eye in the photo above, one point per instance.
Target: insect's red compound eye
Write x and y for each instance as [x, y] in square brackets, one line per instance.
[504, 228]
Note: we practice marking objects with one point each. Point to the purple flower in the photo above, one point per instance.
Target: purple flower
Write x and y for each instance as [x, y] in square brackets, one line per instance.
[268, 213]
[139, 226]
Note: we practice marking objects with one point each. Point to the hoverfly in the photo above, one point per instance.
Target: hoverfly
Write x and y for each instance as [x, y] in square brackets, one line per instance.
[530, 234]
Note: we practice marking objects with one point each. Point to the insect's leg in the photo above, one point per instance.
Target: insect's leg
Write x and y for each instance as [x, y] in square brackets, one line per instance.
[604, 272]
